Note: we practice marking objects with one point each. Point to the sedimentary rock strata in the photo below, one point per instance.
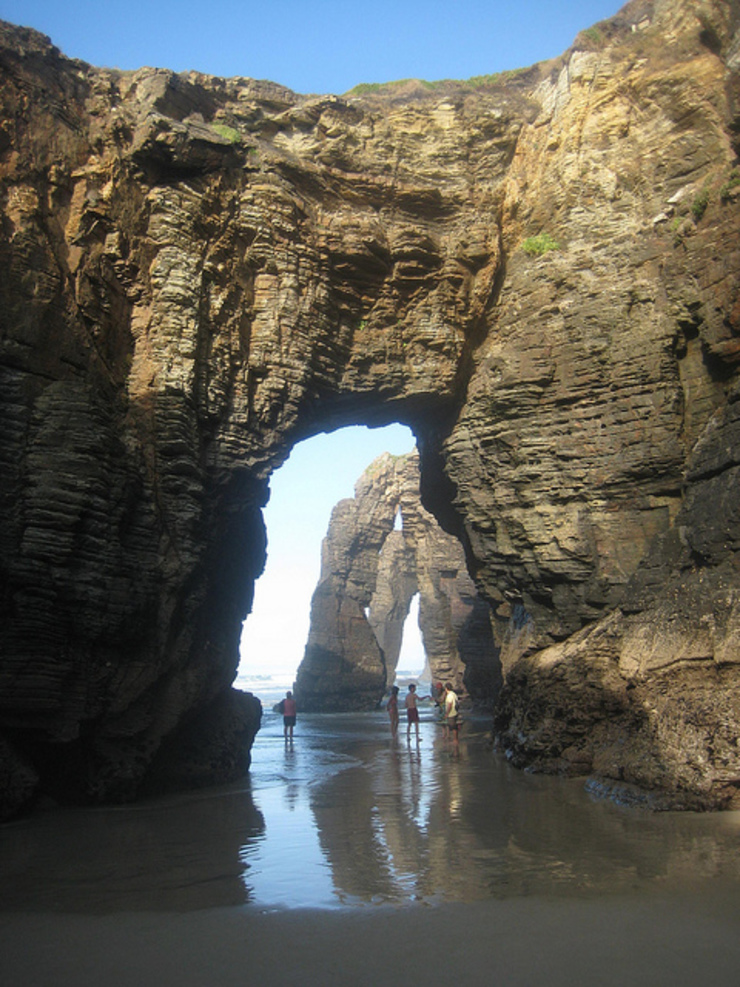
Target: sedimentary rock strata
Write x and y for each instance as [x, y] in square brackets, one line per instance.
[197, 273]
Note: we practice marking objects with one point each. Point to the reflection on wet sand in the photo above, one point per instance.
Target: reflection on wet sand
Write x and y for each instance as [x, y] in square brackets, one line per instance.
[345, 817]
[345, 851]
[431, 823]
[178, 854]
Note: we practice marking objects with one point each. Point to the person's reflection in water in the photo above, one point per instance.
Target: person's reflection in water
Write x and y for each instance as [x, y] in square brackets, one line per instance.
[454, 792]
[292, 791]
[414, 794]
[289, 758]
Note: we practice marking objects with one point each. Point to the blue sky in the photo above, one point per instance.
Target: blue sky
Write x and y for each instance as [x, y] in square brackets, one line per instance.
[313, 46]
[319, 473]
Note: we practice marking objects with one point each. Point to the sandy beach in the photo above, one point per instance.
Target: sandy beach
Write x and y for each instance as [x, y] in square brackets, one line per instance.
[347, 858]
[520, 943]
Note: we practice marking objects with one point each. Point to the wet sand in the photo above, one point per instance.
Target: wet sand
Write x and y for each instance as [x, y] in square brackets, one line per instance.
[519, 943]
[349, 859]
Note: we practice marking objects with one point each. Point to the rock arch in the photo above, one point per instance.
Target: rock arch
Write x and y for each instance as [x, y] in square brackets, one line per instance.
[370, 572]
[202, 272]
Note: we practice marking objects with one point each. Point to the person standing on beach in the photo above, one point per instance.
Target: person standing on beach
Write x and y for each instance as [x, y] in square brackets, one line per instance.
[412, 713]
[392, 708]
[451, 714]
[289, 710]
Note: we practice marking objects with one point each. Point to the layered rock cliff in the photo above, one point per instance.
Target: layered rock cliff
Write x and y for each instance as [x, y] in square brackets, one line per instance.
[371, 569]
[197, 273]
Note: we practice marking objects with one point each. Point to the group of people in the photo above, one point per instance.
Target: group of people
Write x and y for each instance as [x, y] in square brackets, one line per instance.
[445, 699]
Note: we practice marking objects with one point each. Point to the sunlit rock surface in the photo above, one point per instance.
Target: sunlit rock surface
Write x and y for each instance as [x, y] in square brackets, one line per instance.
[197, 273]
[371, 569]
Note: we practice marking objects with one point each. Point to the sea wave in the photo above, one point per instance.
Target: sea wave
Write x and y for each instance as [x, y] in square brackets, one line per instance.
[270, 687]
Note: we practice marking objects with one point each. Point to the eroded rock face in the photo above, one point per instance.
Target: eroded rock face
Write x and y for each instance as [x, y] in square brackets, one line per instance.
[198, 273]
[657, 679]
[370, 571]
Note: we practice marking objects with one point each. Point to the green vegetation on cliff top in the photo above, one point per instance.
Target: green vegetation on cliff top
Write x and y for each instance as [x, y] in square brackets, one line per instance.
[474, 82]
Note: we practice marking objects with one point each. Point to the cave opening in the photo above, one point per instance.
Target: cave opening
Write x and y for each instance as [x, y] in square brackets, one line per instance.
[319, 473]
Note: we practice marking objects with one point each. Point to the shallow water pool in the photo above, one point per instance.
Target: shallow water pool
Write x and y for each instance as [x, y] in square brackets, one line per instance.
[347, 817]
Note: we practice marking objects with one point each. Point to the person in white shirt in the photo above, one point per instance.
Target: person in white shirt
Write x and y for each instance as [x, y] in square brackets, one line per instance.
[451, 713]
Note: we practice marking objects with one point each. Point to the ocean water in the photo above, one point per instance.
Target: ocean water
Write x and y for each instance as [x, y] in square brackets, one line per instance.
[269, 689]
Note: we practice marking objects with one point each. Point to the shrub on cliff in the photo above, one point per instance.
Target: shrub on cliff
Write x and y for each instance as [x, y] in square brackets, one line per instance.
[535, 246]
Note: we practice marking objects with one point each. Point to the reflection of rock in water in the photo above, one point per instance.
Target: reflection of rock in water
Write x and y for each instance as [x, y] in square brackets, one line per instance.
[345, 813]
[177, 855]
[394, 823]
[420, 823]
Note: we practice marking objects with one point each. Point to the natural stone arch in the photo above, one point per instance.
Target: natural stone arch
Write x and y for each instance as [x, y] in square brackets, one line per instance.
[181, 308]
[370, 571]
